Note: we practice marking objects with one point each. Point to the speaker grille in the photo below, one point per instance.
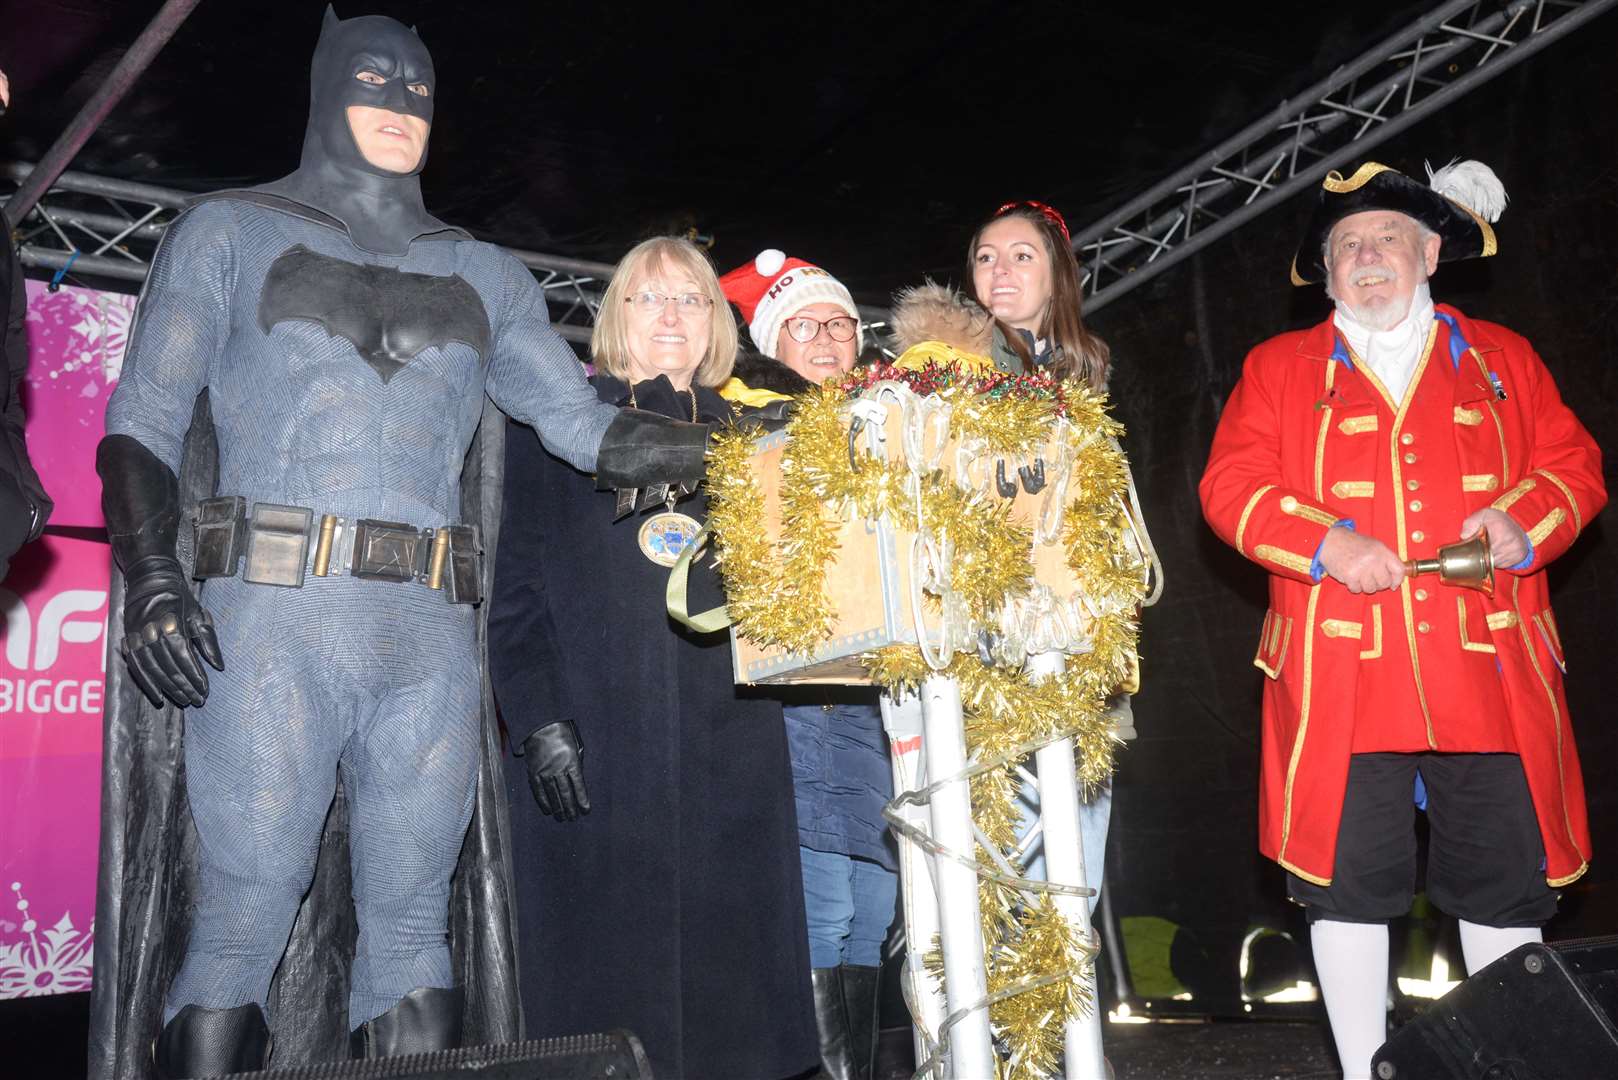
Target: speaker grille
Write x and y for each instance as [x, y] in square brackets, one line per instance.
[615, 1055]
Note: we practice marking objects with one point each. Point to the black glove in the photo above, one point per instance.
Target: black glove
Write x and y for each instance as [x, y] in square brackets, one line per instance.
[554, 775]
[640, 448]
[165, 629]
[767, 418]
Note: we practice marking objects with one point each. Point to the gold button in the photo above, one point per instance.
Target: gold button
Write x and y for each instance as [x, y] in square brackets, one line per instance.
[1424, 626]
[1412, 485]
[1407, 438]
[1289, 503]
[1415, 506]
[1421, 594]
[1418, 536]
[1410, 459]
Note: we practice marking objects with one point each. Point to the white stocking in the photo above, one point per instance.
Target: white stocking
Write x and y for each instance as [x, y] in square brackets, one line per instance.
[1352, 961]
[1483, 945]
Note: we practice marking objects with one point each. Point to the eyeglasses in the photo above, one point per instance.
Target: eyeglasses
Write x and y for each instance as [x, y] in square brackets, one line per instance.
[652, 303]
[803, 329]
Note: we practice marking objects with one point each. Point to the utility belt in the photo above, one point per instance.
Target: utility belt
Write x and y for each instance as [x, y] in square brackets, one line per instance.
[278, 545]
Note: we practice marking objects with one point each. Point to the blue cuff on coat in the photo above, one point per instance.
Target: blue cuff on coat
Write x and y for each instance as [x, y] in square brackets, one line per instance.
[1316, 570]
[1528, 560]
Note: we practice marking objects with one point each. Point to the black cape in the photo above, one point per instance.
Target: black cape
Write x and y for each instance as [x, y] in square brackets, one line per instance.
[148, 845]
[675, 907]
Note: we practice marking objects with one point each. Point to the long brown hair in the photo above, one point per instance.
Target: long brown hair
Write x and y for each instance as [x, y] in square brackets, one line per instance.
[1079, 354]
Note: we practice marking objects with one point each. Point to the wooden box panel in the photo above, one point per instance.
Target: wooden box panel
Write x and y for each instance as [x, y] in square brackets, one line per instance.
[869, 581]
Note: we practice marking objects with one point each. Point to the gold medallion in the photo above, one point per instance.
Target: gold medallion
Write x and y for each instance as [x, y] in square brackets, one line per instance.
[664, 536]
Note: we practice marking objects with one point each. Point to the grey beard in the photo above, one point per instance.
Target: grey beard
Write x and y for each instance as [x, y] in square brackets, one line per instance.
[1383, 318]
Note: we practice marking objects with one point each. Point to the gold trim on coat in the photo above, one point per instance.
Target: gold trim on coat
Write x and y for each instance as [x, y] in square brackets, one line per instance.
[1359, 425]
[1282, 557]
[1504, 502]
[1303, 720]
[1354, 489]
[1466, 643]
[1399, 525]
[1375, 651]
[1501, 620]
[1281, 657]
[1567, 493]
[1247, 512]
[1546, 526]
[1556, 716]
[1335, 628]
[1292, 505]
[1487, 481]
[1468, 417]
[1499, 428]
[1325, 425]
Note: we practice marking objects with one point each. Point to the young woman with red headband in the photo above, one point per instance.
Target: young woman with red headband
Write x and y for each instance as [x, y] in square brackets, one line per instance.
[1023, 273]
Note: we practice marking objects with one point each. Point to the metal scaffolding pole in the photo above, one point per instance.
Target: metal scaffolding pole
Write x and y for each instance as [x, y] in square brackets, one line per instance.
[1423, 68]
[107, 95]
[107, 228]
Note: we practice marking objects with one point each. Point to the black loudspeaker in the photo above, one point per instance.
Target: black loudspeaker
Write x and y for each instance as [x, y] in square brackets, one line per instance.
[616, 1055]
[1541, 1012]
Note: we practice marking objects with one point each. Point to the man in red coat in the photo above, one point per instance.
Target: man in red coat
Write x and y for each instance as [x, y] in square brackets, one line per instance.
[1346, 451]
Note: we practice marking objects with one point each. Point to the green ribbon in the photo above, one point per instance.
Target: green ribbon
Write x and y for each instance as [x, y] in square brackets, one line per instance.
[676, 599]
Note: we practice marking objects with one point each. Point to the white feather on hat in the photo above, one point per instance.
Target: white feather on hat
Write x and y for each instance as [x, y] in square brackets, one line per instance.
[1472, 184]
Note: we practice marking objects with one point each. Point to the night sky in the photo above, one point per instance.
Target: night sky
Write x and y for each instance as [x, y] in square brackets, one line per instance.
[871, 138]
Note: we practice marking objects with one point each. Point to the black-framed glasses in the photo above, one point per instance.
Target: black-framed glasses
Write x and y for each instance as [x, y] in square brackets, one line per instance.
[803, 329]
[648, 302]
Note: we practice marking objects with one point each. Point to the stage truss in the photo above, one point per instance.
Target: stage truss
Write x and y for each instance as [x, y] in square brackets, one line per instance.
[1423, 68]
[109, 229]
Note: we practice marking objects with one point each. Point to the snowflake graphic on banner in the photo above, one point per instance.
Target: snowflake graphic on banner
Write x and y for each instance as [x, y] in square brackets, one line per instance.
[55, 961]
[83, 329]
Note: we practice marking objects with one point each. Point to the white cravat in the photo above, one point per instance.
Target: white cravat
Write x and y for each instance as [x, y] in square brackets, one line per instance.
[1392, 355]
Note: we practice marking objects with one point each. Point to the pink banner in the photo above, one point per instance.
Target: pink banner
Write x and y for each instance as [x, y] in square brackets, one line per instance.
[52, 654]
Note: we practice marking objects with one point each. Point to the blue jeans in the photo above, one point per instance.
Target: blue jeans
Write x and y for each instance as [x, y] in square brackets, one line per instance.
[849, 904]
[1094, 815]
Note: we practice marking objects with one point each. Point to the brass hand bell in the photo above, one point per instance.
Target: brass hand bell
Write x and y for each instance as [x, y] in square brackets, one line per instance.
[1467, 564]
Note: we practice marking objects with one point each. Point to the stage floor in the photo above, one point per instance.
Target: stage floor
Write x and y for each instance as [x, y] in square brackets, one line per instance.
[1217, 1050]
[46, 1036]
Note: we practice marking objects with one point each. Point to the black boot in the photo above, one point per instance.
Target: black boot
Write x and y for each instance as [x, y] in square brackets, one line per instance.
[860, 1003]
[201, 1042]
[831, 1020]
[425, 1020]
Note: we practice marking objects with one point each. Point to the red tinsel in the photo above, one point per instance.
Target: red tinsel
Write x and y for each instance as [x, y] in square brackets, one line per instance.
[934, 377]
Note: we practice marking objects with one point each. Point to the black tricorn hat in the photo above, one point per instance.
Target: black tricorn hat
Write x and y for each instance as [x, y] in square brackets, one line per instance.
[1443, 206]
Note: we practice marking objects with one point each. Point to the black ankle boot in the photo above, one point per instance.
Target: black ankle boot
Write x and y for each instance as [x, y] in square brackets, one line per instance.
[859, 1001]
[425, 1020]
[831, 1020]
[201, 1042]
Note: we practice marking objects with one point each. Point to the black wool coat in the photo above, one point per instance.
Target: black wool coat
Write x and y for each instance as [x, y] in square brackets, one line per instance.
[675, 907]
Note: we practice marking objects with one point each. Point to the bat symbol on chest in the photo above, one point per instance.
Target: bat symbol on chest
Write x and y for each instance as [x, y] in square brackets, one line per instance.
[388, 315]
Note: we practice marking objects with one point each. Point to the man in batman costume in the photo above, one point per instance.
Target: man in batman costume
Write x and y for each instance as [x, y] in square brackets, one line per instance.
[310, 364]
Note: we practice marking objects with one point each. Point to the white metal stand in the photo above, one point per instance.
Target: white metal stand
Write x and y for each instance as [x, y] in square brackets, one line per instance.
[1064, 865]
[971, 1050]
[901, 718]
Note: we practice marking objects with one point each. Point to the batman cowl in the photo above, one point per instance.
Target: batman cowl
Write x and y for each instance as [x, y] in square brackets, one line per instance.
[334, 185]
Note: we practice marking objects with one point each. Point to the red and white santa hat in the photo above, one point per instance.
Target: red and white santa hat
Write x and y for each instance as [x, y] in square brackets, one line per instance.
[773, 288]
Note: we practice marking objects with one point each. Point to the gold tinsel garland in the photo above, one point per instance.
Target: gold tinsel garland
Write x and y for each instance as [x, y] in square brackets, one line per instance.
[776, 593]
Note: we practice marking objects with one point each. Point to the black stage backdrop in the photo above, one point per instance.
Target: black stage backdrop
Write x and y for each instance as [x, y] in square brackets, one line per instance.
[1184, 825]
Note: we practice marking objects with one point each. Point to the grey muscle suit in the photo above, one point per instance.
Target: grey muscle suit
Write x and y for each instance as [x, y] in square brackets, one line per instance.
[382, 678]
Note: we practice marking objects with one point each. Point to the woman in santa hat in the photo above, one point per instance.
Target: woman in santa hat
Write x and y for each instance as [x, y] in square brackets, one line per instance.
[807, 328]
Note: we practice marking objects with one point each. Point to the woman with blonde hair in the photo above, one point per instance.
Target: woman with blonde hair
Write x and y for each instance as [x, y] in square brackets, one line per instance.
[665, 897]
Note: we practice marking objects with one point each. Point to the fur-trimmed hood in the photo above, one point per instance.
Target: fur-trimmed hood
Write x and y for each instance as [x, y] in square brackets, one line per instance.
[759, 372]
[933, 312]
